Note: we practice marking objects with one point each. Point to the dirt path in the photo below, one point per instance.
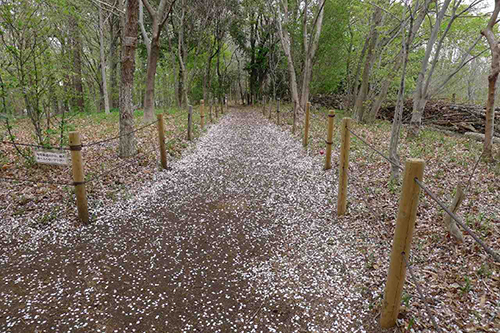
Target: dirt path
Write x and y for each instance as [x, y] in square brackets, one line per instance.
[238, 236]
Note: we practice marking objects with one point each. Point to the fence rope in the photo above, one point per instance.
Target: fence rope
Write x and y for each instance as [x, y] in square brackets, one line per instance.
[118, 136]
[15, 143]
[495, 256]
[421, 294]
[34, 181]
[377, 151]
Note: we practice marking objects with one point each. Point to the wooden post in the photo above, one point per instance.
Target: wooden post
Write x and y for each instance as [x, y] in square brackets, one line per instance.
[216, 110]
[202, 113]
[221, 102]
[75, 145]
[278, 113]
[161, 137]
[329, 141]
[305, 142]
[190, 120]
[401, 244]
[226, 101]
[344, 166]
[263, 105]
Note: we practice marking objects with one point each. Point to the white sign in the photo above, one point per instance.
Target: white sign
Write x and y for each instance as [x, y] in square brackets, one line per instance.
[54, 157]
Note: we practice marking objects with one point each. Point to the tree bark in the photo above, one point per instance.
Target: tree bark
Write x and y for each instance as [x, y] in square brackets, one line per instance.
[159, 18]
[359, 106]
[492, 81]
[451, 225]
[183, 56]
[78, 103]
[113, 55]
[103, 62]
[398, 112]
[129, 43]
[375, 108]
[420, 96]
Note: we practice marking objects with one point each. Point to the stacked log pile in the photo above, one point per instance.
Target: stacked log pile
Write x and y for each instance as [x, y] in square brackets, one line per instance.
[460, 118]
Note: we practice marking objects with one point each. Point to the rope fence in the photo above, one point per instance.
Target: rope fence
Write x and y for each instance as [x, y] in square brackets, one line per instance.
[405, 224]
[76, 146]
[404, 231]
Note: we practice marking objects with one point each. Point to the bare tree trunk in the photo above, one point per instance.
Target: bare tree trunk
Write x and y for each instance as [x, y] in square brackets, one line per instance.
[355, 84]
[359, 106]
[492, 81]
[183, 55]
[420, 96]
[103, 61]
[149, 97]
[159, 17]
[129, 44]
[423, 10]
[398, 112]
[76, 44]
[113, 55]
[309, 51]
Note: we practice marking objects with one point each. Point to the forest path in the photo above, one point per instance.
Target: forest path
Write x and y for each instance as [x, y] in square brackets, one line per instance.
[239, 236]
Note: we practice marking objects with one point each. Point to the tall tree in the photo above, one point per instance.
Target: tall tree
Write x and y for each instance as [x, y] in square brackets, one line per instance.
[129, 43]
[398, 112]
[103, 60]
[494, 44]
[310, 39]
[422, 92]
[159, 18]
[78, 103]
[422, 9]
[360, 105]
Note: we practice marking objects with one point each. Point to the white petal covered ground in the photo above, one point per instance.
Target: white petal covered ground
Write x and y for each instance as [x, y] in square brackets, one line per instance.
[239, 236]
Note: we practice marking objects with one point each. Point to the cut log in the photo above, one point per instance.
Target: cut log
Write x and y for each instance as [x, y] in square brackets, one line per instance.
[480, 137]
[451, 225]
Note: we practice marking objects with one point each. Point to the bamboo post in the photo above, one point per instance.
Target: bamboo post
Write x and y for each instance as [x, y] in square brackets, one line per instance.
[344, 166]
[202, 113]
[329, 141]
[75, 145]
[190, 120]
[401, 244]
[161, 137]
[305, 142]
[278, 113]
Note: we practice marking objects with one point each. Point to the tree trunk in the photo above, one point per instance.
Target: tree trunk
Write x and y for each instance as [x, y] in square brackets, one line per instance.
[451, 225]
[129, 44]
[149, 97]
[490, 107]
[397, 63]
[398, 112]
[103, 61]
[113, 55]
[420, 96]
[359, 106]
[355, 83]
[492, 81]
[77, 101]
